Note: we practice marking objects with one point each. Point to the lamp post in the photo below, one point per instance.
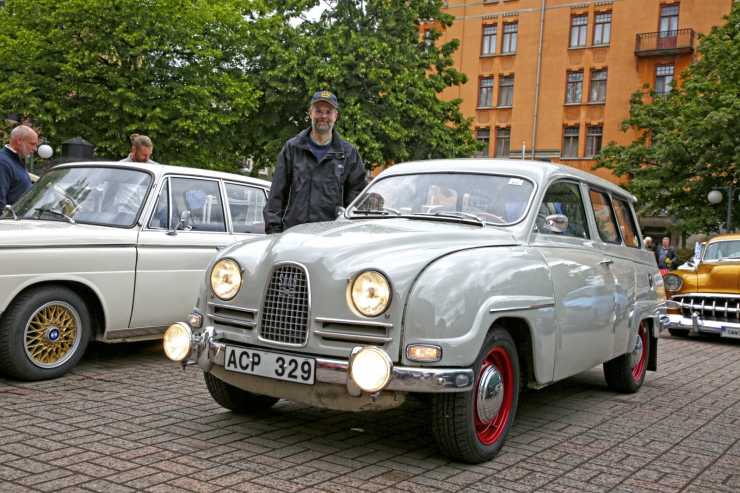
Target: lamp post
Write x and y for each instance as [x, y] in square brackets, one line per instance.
[716, 196]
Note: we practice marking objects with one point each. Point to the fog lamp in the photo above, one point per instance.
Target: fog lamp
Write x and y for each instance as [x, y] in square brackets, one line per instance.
[177, 341]
[423, 352]
[370, 368]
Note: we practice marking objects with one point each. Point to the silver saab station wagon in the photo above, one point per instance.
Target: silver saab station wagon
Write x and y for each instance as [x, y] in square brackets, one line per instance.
[111, 251]
[463, 279]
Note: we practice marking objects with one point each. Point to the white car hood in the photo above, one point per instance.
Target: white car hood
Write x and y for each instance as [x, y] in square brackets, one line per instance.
[36, 233]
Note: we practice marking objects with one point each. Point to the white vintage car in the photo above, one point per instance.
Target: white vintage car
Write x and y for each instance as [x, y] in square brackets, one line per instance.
[464, 279]
[111, 251]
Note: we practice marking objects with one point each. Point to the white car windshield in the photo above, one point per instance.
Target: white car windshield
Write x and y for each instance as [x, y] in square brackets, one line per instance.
[92, 195]
[722, 250]
[494, 199]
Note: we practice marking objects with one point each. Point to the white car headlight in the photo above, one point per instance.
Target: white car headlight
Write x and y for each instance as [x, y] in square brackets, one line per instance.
[177, 341]
[370, 368]
[370, 293]
[672, 282]
[226, 279]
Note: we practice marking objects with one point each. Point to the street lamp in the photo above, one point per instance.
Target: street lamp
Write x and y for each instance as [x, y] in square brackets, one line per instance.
[716, 196]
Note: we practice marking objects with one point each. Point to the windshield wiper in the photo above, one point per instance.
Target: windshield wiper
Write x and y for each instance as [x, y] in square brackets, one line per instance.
[9, 207]
[460, 214]
[385, 211]
[42, 210]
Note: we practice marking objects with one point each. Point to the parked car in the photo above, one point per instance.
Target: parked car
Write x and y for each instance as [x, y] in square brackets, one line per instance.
[464, 279]
[706, 291]
[113, 252]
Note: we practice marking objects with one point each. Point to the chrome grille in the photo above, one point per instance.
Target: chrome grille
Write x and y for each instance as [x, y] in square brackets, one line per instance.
[285, 309]
[717, 308]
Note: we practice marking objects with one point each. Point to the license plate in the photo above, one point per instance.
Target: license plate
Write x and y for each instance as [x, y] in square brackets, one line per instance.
[731, 332]
[271, 365]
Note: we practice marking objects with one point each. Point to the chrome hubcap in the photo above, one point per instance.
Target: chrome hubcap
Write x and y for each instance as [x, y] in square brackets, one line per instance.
[490, 394]
[636, 354]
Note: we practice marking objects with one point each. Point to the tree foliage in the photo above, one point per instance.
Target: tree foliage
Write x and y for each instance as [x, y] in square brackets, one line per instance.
[215, 82]
[689, 140]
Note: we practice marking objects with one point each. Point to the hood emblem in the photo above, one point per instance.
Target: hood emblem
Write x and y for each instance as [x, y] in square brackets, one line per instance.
[287, 285]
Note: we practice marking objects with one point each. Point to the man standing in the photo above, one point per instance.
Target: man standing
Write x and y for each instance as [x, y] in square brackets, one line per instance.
[141, 150]
[14, 179]
[665, 254]
[317, 171]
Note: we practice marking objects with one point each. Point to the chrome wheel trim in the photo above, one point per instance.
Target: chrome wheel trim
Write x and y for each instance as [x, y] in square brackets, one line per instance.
[636, 354]
[490, 395]
[52, 334]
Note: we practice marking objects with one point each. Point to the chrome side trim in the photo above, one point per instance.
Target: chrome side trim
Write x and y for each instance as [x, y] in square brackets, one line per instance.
[343, 336]
[366, 323]
[519, 308]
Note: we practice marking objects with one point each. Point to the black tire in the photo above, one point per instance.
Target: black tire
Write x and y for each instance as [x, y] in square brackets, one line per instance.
[44, 333]
[626, 373]
[679, 332]
[235, 399]
[460, 431]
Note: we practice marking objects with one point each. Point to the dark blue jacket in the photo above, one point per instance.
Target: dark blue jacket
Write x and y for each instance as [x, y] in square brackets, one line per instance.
[14, 179]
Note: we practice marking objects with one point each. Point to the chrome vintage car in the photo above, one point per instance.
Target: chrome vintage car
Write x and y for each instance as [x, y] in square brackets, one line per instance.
[113, 252]
[706, 291]
[463, 279]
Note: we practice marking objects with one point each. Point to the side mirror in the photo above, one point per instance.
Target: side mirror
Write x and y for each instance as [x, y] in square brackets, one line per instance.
[184, 224]
[557, 223]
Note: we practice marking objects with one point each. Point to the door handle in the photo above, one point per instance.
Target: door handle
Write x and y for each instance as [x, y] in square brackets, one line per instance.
[606, 262]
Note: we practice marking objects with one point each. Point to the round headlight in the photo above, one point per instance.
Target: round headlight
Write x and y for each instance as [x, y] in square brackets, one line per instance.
[177, 341]
[226, 279]
[371, 369]
[370, 293]
[672, 282]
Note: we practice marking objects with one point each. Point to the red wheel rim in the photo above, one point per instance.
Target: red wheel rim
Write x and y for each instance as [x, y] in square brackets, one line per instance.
[638, 370]
[490, 431]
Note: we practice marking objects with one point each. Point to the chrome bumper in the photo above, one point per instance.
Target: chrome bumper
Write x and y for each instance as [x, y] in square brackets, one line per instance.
[208, 350]
[695, 324]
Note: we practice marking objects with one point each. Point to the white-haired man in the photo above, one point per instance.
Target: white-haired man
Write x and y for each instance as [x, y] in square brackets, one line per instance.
[14, 179]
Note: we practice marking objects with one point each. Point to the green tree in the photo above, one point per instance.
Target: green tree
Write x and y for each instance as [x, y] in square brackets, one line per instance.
[689, 140]
[388, 80]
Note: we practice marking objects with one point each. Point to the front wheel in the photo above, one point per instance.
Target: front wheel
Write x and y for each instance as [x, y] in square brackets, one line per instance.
[626, 373]
[472, 426]
[44, 333]
[235, 399]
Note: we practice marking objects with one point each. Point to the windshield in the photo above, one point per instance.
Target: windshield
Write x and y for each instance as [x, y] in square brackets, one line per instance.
[721, 250]
[107, 196]
[494, 199]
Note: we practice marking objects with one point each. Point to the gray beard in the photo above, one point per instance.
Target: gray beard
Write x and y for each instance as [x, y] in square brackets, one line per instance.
[325, 134]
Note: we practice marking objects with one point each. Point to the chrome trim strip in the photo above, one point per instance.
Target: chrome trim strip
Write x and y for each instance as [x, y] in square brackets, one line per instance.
[367, 323]
[351, 337]
[233, 321]
[518, 308]
[706, 295]
[675, 321]
[235, 308]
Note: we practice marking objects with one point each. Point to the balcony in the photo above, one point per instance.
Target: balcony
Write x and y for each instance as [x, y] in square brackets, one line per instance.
[665, 43]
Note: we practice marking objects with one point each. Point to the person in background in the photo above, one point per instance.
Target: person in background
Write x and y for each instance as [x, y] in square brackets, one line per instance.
[317, 171]
[649, 245]
[141, 150]
[666, 255]
[14, 178]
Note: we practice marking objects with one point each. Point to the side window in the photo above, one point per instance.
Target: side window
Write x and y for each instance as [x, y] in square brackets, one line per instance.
[161, 209]
[202, 199]
[626, 223]
[564, 198]
[606, 224]
[246, 204]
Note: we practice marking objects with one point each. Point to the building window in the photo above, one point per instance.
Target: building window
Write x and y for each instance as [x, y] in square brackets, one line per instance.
[578, 29]
[570, 142]
[503, 142]
[485, 94]
[489, 40]
[593, 140]
[598, 86]
[483, 136]
[663, 79]
[574, 92]
[602, 29]
[506, 91]
[510, 32]
[668, 21]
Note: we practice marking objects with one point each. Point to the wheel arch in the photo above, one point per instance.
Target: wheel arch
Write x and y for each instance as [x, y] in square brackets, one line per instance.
[519, 330]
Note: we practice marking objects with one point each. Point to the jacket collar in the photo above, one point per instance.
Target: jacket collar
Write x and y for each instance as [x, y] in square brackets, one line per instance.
[304, 137]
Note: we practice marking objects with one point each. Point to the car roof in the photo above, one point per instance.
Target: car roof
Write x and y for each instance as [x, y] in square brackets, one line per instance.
[725, 237]
[164, 169]
[537, 171]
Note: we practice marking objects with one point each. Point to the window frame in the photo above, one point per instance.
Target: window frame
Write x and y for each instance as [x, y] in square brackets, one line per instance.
[589, 151]
[484, 153]
[225, 213]
[606, 29]
[505, 89]
[612, 215]
[580, 30]
[492, 38]
[602, 83]
[577, 141]
[509, 39]
[662, 77]
[631, 219]
[499, 140]
[227, 204]
[489, 91]
[568, 84]
[584, 210]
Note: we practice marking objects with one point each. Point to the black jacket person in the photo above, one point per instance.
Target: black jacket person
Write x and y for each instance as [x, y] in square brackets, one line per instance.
[312, 179]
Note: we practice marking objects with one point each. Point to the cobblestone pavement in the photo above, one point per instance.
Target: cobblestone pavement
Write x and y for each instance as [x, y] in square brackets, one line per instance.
[126, 420]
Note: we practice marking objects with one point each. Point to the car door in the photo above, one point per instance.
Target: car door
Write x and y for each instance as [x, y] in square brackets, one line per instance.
[620, 242]
[583, 286]
[173, 254]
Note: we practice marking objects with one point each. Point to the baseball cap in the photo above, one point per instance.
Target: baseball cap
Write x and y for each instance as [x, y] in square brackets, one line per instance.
[325, 96]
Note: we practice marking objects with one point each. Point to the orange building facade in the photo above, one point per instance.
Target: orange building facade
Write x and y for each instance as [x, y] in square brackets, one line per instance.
[552, 79]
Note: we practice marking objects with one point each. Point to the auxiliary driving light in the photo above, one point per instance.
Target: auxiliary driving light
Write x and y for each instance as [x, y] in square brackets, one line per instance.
[177, 341]
[370, 368]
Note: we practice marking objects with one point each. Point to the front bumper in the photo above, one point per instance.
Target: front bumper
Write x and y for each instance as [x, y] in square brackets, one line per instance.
[695, 324]
[209, 349]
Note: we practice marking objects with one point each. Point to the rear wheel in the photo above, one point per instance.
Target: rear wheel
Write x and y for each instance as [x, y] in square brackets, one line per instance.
[626, 373]
[235, 399]
[472, 426]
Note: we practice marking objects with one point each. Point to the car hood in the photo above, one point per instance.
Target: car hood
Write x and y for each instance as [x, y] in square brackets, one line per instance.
[34, 233]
